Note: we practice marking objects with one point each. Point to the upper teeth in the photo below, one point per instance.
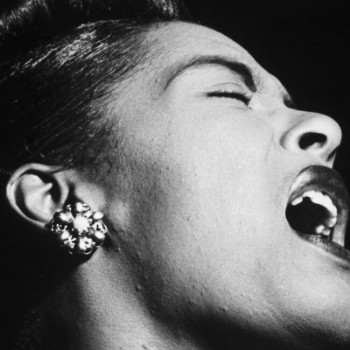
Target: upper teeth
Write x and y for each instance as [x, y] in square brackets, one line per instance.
[324, 200]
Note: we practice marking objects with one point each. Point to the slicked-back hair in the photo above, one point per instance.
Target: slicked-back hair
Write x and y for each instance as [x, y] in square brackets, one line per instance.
[58, 60]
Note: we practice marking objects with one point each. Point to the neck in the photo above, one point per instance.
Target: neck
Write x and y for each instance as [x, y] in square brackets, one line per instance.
[91, 312]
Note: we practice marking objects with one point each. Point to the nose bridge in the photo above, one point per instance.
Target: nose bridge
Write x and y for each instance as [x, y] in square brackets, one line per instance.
[314, 133]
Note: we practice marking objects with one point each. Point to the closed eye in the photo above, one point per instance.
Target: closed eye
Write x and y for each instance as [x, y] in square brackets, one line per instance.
[230, 94]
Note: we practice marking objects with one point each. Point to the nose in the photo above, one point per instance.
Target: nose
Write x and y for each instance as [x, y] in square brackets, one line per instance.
[316, 134]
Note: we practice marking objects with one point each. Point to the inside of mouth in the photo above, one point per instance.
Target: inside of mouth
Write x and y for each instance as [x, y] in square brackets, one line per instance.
[306, 217]
[347, 238]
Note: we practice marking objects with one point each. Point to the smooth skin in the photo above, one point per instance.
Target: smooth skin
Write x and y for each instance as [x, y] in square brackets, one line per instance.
[201, 255]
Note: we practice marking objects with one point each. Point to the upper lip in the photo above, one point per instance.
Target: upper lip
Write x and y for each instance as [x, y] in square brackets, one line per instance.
[328, 181]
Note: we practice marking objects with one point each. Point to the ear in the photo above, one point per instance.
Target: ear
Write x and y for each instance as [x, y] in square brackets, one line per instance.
[37, 191]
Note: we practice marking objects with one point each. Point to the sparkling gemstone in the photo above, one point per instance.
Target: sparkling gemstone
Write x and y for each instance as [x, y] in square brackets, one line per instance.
[97, 215]
[99, 227]
[78, 207]
[64, 236]
[63, 217]
[99, 236]
[82, 245]
[81, 224]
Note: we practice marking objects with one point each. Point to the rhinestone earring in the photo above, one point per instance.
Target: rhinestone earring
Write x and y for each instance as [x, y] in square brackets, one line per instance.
[78, 229]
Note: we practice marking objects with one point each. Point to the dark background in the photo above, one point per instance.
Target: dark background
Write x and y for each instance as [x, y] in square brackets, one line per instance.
[305, 43]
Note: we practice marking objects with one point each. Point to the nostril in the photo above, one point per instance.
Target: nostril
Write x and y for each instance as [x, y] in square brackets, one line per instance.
[312, 140]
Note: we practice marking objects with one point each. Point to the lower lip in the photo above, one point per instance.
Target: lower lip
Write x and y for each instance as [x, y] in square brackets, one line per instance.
[329, 246]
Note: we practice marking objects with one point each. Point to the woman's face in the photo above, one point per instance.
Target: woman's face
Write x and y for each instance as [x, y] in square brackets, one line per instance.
[211, 149]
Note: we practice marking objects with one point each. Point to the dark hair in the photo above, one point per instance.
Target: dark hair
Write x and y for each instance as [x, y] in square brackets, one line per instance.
[59, 60]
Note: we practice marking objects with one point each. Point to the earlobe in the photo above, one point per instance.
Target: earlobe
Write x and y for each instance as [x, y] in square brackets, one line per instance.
[36, 192]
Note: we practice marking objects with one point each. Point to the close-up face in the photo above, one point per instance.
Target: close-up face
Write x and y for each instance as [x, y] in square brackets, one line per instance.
[214, 154]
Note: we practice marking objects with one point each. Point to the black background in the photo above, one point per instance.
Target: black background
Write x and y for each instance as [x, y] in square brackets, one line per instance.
[305, 43]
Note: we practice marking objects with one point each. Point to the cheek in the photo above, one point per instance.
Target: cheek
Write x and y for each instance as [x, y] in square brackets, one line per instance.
[208, 230]
[209, 216]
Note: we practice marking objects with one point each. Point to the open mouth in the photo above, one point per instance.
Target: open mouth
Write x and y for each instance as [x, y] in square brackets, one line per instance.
[318, 209]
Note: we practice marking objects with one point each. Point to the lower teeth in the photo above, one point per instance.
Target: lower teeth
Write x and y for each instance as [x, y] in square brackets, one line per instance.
[310, 218]
[322, 230]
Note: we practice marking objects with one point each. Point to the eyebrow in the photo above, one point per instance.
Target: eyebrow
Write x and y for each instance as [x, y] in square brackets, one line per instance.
[237, 67]
[246, 73]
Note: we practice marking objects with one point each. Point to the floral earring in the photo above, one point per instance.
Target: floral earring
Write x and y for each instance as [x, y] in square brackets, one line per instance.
[78, 229]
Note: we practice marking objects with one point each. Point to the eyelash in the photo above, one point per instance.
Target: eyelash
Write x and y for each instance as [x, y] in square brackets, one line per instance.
[231, 94]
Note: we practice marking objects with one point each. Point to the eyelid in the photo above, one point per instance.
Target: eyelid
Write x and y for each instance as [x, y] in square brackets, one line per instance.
[231, 90]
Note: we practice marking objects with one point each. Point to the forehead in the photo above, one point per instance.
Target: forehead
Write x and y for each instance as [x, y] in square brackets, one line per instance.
[175, 45]
[181, 38]
[174, 48]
